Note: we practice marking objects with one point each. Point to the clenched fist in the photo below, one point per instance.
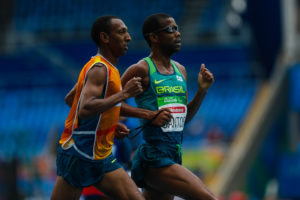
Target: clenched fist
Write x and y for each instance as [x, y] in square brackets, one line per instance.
[121, 131]
[133, 87]
[205, 78]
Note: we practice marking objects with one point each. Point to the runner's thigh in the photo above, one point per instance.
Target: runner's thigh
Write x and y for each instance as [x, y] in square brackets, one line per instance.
[154, 195]
[118, 185]
[179, 181]
[63, 190]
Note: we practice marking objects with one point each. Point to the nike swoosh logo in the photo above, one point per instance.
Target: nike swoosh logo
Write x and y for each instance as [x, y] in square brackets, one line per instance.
[157, 82]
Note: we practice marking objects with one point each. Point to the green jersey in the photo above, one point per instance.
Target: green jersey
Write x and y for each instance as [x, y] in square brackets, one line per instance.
[165, 91]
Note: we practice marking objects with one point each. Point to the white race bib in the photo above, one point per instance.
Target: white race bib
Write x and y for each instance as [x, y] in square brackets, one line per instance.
[177, 105]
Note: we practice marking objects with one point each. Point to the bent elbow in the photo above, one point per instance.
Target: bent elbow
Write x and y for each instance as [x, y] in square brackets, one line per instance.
[68, 101]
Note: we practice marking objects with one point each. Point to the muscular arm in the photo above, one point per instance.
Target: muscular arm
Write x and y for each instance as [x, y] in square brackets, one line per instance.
[205, 79]
[194, 105]
[130, 111]
[136, 70]
[91, 104]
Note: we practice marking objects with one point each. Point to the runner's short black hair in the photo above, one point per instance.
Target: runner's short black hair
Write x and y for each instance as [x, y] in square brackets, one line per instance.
[101, 24]
[153, 23]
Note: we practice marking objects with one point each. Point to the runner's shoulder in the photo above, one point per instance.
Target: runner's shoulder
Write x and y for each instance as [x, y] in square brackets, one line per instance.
[180, 66]
[140, 68]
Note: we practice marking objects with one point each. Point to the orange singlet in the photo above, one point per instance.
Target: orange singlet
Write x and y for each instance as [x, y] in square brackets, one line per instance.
[92, 138]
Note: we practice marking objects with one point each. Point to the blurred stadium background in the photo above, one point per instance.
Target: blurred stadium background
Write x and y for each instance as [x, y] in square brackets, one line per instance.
[244, 141]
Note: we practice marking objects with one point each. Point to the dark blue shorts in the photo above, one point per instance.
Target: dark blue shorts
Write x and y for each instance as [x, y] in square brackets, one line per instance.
[153, 155]
[81, 172]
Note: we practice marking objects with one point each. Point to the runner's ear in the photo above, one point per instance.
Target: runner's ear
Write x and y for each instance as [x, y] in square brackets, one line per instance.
[104, 37]
[153, 37]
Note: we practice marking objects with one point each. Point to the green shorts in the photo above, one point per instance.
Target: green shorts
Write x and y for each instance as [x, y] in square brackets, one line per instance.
[82, 172]
[153, 155]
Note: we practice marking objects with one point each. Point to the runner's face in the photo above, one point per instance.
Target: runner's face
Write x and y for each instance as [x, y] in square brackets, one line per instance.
[119, 37]
[169, 41]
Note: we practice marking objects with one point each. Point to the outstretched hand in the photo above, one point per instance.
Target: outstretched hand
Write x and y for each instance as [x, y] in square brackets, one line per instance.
[121, 131]
[163, 118]
[205, 78]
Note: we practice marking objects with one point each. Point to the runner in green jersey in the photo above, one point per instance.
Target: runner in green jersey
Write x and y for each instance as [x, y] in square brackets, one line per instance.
[157, 163]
